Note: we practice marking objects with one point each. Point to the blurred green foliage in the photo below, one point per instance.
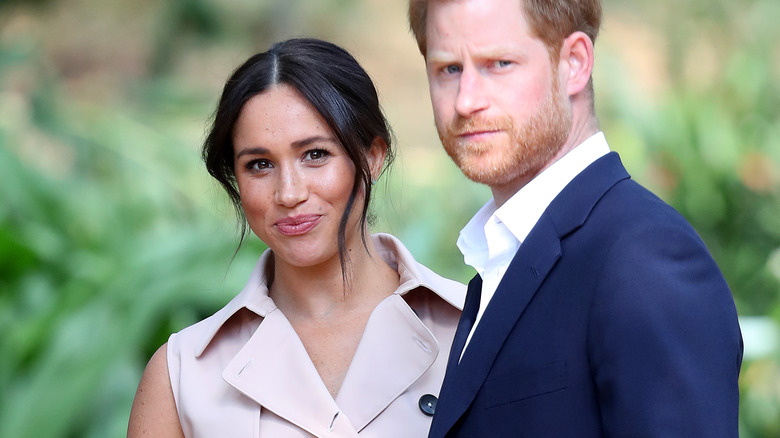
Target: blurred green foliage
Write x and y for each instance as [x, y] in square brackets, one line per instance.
[707, 143]
[112, 237]
[102, 254]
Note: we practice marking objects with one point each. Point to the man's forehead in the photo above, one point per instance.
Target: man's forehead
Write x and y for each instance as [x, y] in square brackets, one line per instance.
[433, 5]
[474, 19]
[481, 28]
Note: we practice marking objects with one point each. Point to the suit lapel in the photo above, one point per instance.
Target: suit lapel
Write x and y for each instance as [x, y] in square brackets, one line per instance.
[466, 322]
[533, 262]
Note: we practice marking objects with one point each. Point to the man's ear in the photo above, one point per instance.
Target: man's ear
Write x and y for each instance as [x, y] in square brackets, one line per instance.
[576, 62]
[376, 157]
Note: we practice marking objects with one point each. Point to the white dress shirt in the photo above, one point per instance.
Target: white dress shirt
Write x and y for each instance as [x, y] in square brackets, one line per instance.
[492, 237]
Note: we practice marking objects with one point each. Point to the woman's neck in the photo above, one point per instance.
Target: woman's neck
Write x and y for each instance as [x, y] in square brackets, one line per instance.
[321, 293]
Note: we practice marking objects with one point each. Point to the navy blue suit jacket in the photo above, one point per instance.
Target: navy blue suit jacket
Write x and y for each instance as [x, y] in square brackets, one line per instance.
[612, 320]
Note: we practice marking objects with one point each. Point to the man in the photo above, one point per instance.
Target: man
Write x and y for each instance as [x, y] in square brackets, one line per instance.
[597, 310]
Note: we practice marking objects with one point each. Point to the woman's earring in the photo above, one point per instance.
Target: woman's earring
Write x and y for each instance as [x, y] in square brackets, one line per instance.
[373, 182]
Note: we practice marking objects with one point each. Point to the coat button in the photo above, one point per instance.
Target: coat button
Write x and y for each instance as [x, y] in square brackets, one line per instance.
[428, 404]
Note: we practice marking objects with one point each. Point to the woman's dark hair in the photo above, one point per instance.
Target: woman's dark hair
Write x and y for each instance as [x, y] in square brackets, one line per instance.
[338, 88]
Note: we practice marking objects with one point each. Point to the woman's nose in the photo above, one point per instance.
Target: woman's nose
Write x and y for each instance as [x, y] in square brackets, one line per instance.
[291, 188]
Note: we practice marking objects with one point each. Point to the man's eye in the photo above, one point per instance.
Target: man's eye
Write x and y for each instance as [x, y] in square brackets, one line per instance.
[503, 63]
[452, 69]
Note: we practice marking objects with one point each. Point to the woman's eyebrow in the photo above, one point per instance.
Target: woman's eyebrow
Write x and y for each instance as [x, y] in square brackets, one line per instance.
[313, 139]
[252, 151]
[295, 145]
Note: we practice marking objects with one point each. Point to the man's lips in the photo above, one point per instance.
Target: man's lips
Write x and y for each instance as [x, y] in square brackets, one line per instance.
[297, 225]
[476, 135]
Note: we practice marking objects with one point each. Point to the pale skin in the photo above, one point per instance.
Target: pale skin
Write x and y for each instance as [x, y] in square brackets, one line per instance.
[154, 410]
[482, 60]
[294, 180]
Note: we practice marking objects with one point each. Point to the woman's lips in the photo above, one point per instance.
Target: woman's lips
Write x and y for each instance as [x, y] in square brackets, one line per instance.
[297, 225]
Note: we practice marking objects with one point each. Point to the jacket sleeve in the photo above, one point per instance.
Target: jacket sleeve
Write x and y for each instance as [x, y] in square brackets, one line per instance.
[664, 342]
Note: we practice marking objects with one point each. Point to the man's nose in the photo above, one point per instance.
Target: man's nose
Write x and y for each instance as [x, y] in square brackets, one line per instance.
[471, 96]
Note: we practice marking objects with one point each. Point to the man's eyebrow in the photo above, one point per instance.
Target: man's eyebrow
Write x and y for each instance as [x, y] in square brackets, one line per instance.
[441, 57]
[497, 52]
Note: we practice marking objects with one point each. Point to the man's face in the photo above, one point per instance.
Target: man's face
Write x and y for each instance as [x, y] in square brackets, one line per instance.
[497, 102]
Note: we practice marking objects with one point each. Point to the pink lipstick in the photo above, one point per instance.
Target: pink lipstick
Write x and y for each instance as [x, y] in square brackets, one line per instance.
[297, 225]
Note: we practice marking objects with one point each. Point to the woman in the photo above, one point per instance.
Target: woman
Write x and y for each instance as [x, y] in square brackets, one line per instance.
[337, 332]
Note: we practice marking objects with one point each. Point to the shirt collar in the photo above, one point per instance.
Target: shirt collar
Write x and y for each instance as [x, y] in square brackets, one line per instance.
[254, 296]
[520, 213]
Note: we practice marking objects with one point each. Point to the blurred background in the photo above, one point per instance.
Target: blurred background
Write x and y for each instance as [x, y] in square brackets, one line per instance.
[112, 235]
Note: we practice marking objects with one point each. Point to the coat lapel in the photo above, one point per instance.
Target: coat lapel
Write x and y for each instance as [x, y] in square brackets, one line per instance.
[395, 351]
[274, 370]
[533, 262]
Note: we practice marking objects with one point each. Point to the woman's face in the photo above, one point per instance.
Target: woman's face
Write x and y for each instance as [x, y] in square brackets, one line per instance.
[293, 177]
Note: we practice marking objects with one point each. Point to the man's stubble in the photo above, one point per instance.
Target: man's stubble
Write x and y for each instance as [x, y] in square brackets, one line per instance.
[525, 149]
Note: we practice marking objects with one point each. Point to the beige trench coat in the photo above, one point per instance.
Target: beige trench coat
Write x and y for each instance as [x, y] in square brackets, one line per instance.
[243, 372]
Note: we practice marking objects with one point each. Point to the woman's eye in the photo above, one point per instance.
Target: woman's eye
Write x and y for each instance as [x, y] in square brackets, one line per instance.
[260, 164]
[316, 154]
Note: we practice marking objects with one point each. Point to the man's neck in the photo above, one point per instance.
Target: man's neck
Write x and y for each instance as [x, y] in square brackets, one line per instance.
[582, 129]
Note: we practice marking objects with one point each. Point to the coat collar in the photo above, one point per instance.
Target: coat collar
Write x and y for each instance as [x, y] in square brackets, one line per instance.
[273, 368]
[414, 274]
[532, 263]
[254, 295]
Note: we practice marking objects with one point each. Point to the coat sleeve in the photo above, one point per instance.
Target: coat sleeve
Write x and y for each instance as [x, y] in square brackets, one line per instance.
[664, 339]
